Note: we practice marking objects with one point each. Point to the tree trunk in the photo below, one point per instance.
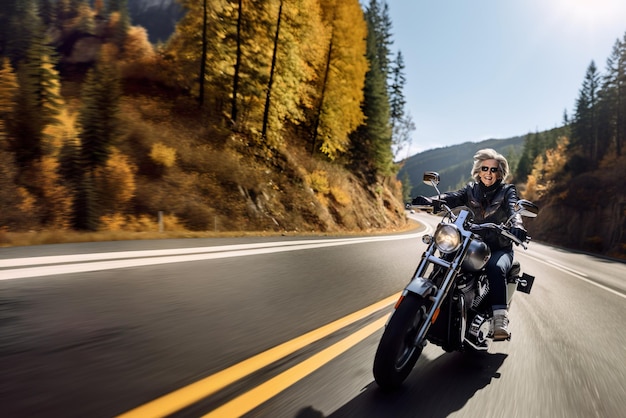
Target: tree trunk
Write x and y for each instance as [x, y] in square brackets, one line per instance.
[319, 109]
[233, 114]
[203, 56]
[266, 112]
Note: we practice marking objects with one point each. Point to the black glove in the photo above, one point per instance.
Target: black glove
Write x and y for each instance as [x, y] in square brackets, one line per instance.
[422, 201]
[519, 233]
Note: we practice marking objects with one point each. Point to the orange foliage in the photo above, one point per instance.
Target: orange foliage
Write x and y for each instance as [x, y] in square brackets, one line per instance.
[56, 200]
[116, 183]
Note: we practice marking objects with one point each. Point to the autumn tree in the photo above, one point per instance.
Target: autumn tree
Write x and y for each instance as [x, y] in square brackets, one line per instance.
[298, 54]
[547, 170]
[8, 91]
[116, 183]
[339, 89]
[210, 51]
[268, 94]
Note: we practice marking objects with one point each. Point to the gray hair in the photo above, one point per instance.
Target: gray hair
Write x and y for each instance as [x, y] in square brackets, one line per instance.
[490, 154]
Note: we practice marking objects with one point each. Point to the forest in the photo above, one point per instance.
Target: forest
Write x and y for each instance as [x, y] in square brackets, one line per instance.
[252, 116]
[276, 115]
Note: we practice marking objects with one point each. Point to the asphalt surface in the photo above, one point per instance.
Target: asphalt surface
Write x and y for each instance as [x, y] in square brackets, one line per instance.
[82, 339]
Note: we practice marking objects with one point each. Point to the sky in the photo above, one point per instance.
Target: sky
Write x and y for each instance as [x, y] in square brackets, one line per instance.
[486, 69]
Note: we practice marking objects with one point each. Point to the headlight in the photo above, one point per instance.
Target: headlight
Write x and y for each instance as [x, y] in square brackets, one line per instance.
[447, 238]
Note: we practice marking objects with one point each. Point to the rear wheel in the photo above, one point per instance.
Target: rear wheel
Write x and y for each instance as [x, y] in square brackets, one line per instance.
[396, 354]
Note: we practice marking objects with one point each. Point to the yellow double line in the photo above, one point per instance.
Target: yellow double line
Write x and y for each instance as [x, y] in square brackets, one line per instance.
[188, 395]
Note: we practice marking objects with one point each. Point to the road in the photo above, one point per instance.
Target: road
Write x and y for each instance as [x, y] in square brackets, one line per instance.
[288, 327]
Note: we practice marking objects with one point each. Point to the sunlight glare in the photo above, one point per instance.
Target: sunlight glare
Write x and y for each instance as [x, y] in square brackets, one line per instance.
[587, 12]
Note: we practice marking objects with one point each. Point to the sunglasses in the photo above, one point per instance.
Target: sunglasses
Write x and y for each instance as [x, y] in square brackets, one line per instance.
[492, 169]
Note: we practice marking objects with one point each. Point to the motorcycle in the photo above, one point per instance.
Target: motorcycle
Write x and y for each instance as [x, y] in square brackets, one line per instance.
[446, 300]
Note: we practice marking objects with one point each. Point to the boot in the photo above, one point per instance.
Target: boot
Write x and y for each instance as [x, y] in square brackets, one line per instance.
[501, 325]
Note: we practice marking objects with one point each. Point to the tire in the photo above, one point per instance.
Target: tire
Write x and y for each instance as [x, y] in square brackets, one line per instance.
[396, 355]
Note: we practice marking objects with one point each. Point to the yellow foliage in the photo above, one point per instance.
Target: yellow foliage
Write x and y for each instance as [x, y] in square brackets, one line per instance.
[57, 197]
[8, 87]
[141, 223]
[556, 159]
[546, 172]
[137, 46]
[163, 155]
[59, 133]
[114, 222]
[139, 56]
[318, 181]
[340, 196]
[530, 191]
[116, 182]
[340, 111]
[28, 201]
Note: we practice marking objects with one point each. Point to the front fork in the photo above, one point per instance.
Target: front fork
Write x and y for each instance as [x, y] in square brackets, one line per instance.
[426, 288]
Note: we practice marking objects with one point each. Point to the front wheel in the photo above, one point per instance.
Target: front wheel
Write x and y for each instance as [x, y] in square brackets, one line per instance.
[397, 353]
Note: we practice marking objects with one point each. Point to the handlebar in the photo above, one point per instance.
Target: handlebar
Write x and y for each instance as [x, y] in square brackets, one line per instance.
[502, 230]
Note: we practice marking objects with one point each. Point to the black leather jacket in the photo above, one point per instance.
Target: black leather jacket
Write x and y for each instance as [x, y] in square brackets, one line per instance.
[489, 204]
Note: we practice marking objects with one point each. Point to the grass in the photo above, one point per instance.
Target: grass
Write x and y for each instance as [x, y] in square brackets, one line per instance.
[20, 239]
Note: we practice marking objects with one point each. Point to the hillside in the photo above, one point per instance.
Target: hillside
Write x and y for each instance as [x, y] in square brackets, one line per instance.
[101, 130]
[235, 183]
[231, 183]
[453, 163]
[583, 211]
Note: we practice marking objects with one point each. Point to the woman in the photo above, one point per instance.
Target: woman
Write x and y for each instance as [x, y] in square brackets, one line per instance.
[491, 200]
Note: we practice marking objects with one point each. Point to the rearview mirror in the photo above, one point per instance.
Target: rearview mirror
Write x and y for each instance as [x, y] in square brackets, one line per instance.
[431, 177]
[526, 208]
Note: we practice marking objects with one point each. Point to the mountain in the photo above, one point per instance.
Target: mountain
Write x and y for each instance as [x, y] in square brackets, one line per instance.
[454, 163]
[159, 17]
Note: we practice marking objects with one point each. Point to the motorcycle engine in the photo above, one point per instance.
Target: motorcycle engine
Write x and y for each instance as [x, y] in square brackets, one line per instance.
[480, 329]
[482, 289]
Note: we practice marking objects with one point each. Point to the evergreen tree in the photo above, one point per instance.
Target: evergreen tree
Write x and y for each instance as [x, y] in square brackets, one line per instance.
[379, 22]
[115, 6]
[99, 128]
[401, 122]
[19, 24]
[120, 22]
[8, 13]
[585, 124]
[38, 102]
[99, 113]
[613, 98]
[371, 143]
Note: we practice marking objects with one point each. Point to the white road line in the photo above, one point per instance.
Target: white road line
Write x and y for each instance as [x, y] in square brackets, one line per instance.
[126, 259]
[116, 255]
[577, 274]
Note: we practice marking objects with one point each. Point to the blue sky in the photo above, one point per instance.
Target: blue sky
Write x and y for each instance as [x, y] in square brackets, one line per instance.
[498, 68]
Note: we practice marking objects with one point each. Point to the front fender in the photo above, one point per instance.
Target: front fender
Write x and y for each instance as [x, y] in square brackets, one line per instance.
[421, 286]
